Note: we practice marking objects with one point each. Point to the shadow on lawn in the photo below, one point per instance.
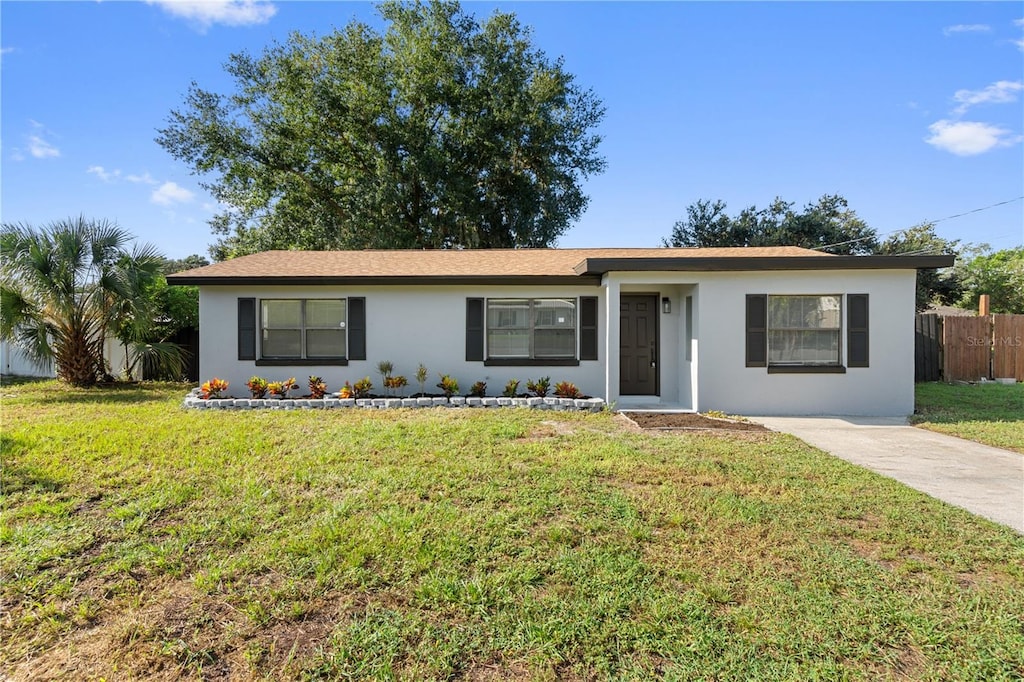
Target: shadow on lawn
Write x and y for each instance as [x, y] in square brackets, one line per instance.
[19, 477]
[131, 394]
[15, 380]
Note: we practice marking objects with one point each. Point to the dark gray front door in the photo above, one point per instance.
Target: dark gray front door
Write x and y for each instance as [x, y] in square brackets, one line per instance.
[638, 345]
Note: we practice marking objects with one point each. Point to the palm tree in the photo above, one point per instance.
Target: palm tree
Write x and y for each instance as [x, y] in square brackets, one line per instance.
[65, 287]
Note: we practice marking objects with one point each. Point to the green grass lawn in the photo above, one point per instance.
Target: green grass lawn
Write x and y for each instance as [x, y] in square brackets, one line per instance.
[988, 413]
[140, 539]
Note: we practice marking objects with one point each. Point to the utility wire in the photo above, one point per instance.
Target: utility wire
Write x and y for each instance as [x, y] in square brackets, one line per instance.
[939, 220]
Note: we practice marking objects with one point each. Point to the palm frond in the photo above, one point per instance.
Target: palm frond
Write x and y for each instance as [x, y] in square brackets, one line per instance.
[67, 286]
[33, 340]
[164, 359]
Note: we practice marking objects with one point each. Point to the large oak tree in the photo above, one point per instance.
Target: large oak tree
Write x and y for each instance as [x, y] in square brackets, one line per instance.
[439, 132]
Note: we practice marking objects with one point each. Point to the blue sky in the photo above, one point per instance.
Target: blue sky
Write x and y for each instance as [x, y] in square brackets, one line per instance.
[911, 111]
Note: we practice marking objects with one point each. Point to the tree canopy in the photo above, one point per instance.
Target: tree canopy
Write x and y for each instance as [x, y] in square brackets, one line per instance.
[933, 285]
[1000, 274]
[439, 132]
[828, 224]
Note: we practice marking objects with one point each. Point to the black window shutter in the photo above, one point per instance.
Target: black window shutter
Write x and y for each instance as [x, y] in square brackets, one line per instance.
[357, 328]
[588, 327]
[757, 330]
[857, 330]
[247, 329]
[474, 329]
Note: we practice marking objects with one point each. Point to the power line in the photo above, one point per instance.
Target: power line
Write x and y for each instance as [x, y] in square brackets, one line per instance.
[932, 222]
[976, 210]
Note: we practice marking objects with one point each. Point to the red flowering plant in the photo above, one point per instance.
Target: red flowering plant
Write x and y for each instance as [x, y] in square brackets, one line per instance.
[396, 383]
[257, 386]
[281, 388]
[317, 387]
[213, 388]
[346, 391]
[566, 389]
[362, 388]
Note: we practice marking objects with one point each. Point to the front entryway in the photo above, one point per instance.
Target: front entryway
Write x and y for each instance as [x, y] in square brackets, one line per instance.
[638, 345]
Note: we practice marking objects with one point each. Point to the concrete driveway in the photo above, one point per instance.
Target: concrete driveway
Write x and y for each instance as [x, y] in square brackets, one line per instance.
[983, 480]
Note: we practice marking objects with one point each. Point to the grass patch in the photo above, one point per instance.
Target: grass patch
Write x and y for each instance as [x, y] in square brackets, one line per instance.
[141, 539]
[988, 413]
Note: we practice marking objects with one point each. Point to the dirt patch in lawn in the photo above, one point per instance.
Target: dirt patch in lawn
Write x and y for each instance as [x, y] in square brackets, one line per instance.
[689, 420]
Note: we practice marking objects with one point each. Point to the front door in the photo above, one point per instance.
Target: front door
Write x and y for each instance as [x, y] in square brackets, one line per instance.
[638, 345]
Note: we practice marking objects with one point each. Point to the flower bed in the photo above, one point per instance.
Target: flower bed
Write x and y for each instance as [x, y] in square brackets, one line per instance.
[194, 400]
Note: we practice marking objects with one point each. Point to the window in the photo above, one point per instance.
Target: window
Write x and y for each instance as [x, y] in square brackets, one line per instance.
[303, 329]
[531, 328]
[804, 330]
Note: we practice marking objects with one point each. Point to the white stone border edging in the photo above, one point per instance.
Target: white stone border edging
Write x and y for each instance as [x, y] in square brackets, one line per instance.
[193, 401]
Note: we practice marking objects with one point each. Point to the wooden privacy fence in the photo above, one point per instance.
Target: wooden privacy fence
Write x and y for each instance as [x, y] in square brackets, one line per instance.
[969, 348]
[1008, 346]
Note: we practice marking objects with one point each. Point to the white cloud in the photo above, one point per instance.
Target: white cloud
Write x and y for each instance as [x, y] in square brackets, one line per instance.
[144, 179]
[115, 176]
[968, 138]
[1000, 92]
[1019, 43]
[40, 148]
[171, 193]
[205, 13]
[6, 50]
[103, 174]
[966, 28]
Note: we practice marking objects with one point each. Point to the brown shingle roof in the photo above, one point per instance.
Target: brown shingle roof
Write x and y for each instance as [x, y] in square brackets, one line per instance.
[482, 263]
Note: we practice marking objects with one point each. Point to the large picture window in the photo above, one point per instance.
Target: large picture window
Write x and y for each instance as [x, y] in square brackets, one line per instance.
[531, 328]
[303, 329]
[804, 330]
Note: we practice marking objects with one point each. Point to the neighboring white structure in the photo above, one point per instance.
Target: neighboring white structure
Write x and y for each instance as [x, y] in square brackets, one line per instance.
[14, 363]
[767, 331]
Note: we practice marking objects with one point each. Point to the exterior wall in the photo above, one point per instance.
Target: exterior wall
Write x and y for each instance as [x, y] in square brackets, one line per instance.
[407, 325]
[716, 377]
[884, 388]
[116, 357]
[426, 324]
[14, 363]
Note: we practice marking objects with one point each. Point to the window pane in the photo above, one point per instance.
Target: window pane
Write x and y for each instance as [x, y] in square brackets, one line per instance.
[803, 312]
[508, 343]
[508, 314]
[282, 314]
[325, 313]
[803, 347]
[554, 312]
[554, 343]
[325, 343]
[282, 343]
[829, 312]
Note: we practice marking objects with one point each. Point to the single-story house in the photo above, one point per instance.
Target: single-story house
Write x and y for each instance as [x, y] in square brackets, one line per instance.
[769, 331]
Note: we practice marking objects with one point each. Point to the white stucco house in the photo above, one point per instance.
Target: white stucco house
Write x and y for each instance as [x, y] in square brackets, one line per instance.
[768, 331]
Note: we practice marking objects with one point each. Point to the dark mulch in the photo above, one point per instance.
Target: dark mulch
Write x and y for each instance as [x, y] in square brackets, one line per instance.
[688, 420]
